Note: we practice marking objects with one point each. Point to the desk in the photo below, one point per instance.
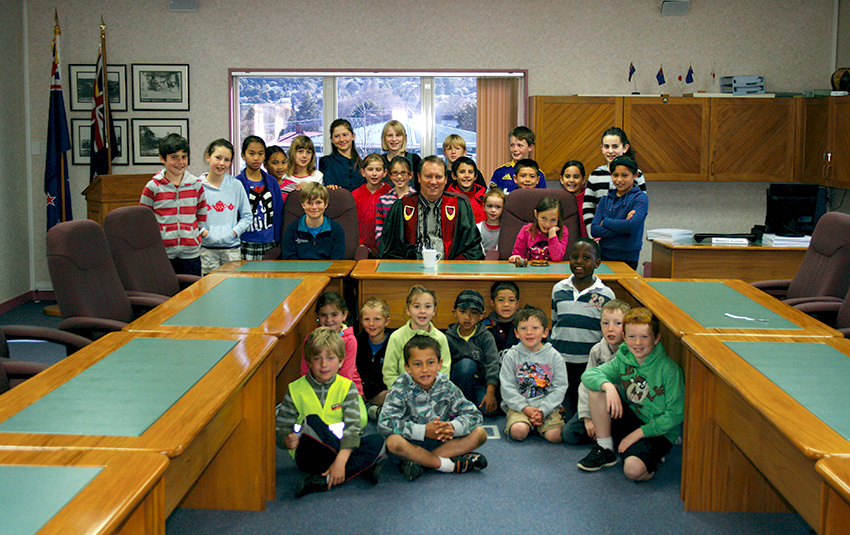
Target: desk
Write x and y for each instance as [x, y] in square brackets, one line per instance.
[760, 413]
[76, 492]
[679, 260]
[337, 270]
[835, 472]
[274, 304]
[698, 306]
[391, 280]
[204, 401]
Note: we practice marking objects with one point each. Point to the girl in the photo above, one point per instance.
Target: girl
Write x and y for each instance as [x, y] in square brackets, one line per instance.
[394, 141]
[545, 238]
[229, 213]
[265, 200]
[276, 167]
[301, 163]
[421, 307]
[465, 173]
[574, 180]
[400, 174]
[614, 143]
[342, 166]
[366, 197]
[490, 228]
[371, 349]
[332, 312]
[619, 218]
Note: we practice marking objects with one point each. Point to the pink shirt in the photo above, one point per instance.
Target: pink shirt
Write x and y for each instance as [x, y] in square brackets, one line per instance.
[531, 244]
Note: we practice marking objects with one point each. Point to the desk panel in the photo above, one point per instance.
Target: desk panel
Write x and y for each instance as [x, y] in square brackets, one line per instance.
[835, 472]
[337, 270]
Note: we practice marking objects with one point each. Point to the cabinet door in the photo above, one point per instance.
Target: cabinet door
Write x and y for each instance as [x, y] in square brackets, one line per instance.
[816, 138]
[839, 166]
[753, 139]
[570, 128]
[669, 135]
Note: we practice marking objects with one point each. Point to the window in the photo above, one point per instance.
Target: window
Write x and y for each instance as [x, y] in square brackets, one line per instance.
[277, 106]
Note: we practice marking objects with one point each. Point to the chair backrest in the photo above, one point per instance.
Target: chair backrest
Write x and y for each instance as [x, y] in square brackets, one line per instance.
[519, 211]
[138, 252]
[341, 208]
[825, 270]
[84, 278]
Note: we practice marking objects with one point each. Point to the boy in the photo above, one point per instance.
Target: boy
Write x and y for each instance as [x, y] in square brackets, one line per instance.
[374, 170]
[464, 172]
[316, 401]
[426, 420]
[576, 310]
[313, 236]
[177, 198]
[521, 145]
[475, 358]
[525, 174]
[371, 349]
[504, 300]
[494, 203]
[579, 430]
[533, 379]
[637, 398]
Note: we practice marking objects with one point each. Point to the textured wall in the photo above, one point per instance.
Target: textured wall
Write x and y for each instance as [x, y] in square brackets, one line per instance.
[567, 46]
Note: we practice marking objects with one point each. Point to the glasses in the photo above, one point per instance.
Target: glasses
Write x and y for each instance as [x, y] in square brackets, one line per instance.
[396, 174]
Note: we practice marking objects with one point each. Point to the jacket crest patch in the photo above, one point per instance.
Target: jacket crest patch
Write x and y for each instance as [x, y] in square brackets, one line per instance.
[408, 212]
[451, 212]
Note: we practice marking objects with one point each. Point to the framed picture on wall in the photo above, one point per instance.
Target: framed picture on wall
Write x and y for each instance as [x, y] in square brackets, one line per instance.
[81, 142]
[160, 86]
[81, 79]
[147, 134]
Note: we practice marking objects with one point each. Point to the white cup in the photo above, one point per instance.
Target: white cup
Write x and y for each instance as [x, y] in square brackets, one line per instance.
[430, 258]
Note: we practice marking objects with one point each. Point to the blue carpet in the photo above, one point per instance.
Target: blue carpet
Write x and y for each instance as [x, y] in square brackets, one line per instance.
[530, 487]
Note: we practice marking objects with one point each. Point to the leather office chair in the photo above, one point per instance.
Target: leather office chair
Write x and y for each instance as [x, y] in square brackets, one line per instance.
[835, 314]
[13, 371]
[88, 290]
[139, 254]
[341, 208]
[824, 273]
[519, 211]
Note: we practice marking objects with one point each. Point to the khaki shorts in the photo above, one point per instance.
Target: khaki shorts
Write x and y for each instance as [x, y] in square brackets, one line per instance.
[554, 421]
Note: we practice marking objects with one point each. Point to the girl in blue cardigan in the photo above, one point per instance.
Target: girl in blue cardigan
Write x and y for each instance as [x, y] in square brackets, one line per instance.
[620, 215]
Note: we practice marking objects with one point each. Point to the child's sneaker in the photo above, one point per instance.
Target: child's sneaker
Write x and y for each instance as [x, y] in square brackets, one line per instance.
[373, 412]
[598, 458]
[310, 484]
[410, 469]
[469, 462]
[372, 473]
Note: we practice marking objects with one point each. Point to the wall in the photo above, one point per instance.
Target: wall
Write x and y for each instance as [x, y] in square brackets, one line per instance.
[567, 47]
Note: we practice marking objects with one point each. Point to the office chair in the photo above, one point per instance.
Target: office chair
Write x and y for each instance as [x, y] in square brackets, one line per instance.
[13, 371]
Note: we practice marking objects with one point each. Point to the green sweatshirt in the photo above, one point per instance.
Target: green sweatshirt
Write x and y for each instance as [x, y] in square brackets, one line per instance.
[655, 390]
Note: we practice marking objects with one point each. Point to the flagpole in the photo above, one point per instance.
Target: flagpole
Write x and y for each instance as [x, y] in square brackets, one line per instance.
[106, 113]
[57, 31]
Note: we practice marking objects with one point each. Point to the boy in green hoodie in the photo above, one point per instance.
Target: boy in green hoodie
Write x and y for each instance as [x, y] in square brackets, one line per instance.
[638, 398]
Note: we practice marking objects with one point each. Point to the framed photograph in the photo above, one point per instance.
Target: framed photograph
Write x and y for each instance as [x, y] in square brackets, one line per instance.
[160, 86]
[148, 132]
[81, 142]
[81, 79]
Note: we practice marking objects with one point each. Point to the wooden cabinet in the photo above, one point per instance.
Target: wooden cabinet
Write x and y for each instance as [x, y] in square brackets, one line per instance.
[826, 149]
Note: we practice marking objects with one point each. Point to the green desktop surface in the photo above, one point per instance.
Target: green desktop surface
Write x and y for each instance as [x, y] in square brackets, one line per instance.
[501, 268]
[284, 266]
[123, 393]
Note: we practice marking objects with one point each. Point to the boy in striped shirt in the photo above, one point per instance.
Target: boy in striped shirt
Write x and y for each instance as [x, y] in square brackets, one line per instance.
[177, 198]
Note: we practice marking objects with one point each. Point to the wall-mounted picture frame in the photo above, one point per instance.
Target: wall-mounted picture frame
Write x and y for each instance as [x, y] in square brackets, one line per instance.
[160, 86]
[81, 79]
[81, 142]
[148, 132]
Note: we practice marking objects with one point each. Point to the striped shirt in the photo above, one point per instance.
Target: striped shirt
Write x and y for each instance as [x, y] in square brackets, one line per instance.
[181, 212]
[598, 184]
[385, 202]
[575, 318]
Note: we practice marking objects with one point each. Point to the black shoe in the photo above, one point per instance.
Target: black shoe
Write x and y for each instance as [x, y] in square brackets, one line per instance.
[469, 462]
[410, 469]
[310, 484]
[372, 473]
[597, 459]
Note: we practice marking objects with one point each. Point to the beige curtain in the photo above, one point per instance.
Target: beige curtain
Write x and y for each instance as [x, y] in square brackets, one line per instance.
[496, 117]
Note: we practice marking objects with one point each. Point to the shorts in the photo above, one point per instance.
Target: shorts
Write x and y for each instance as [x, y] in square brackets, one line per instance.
[553, 421]
[650, 450]
[256, 251]
[215, 258]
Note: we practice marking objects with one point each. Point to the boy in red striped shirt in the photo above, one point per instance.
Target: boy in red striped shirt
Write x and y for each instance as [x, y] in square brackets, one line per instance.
[177, 198]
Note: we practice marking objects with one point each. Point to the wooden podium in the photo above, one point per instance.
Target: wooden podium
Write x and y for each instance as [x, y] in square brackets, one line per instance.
[108, 192]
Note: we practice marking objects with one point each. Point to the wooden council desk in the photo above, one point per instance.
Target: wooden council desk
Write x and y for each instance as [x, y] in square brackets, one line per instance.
[391, 280]
[688, 259]
[337, 270]
[205, 401]
[698, 306]
[77, 492]
[273, 304]
[760, 413]
[835, 472]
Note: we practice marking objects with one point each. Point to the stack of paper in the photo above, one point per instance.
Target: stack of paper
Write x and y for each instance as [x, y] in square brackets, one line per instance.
[772, 240]
[669, 234]
[742, 85]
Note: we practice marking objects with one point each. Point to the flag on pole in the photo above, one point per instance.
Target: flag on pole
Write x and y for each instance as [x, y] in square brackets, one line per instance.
[102, 130]
[660, 76]
[689, 77]
[631, 70]
[56, 186]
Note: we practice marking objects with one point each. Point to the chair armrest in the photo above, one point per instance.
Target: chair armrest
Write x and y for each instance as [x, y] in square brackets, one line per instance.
[272, 254]
[492, 255]
[362, 252]
[845, 331]
[22, 369]
[821, 299]
[824, 311]
[186, 280]
[72, 342]
[778, 288]
[92, 327]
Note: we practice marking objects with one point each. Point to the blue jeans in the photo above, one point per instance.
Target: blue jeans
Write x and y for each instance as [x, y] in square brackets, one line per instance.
[466, 375]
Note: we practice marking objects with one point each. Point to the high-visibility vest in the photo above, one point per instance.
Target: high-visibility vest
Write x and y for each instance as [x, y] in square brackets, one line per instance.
[307, 402]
